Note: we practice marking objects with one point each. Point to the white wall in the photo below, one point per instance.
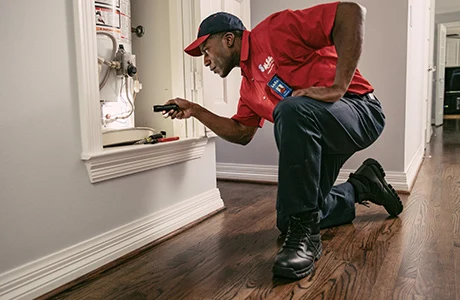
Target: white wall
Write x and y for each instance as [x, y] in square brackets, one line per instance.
[47, 202]
[153, 60]
[383, 63]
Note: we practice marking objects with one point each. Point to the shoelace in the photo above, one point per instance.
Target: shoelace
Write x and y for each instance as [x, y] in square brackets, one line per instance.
[297, 233]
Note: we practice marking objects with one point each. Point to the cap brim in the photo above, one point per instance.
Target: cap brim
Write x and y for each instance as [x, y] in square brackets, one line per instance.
[194, 48]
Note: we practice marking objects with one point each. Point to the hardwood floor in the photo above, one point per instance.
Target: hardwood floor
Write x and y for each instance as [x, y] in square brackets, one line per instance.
[230, 255]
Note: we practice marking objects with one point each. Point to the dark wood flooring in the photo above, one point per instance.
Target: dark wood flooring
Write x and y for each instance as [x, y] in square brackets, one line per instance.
[230, 255]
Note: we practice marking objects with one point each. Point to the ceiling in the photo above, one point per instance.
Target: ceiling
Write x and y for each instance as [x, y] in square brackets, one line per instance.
[447, 6]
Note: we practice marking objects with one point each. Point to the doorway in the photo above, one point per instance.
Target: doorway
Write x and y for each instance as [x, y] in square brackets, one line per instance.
[446, 95]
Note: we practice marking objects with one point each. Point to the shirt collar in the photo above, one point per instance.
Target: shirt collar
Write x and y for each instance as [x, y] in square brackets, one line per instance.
[244, 52]
[245, 46]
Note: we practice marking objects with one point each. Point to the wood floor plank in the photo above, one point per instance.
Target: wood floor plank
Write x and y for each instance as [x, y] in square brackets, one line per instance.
[457, 272]
[402, 256]
[405, 289]
[230, 255]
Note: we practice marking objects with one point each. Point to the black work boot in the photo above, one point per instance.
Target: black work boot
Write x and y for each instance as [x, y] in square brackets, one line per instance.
[302, 246]
[370, 185]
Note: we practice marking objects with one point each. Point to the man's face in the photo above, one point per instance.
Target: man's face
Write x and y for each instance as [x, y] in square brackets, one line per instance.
[217, 55]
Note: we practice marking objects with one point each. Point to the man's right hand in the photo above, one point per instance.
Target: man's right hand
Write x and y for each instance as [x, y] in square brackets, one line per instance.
[226, 128]
[185, 109]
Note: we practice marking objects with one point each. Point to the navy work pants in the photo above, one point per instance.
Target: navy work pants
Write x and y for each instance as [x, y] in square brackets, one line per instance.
[314, 140]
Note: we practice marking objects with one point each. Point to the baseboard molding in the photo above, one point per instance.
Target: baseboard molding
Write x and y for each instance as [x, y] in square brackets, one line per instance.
[401, 181]
[260, 173]
[397, 179]
[46, 274]
[414, 167]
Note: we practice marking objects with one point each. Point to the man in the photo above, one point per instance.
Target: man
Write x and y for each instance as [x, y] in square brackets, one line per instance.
[299, 71]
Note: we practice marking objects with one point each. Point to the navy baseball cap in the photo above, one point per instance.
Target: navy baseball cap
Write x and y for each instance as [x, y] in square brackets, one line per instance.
[215, 23]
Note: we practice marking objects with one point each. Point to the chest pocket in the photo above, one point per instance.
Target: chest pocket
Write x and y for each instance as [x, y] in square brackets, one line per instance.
[273, 85]
[279, 87]
[264, 74]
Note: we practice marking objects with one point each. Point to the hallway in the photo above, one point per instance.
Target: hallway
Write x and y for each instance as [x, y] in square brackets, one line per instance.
[230, 255]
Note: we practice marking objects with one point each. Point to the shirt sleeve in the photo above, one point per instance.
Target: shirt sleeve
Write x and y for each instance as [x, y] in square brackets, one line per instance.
[312, 25]
[246, 116]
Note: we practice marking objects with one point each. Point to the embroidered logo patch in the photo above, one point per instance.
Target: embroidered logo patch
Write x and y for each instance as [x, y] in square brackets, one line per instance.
[280, 87]
[267, 65]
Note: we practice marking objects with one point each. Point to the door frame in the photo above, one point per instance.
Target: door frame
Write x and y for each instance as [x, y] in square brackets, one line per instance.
[217, 98]
[441, 55]
[436, 105]
[429, 34]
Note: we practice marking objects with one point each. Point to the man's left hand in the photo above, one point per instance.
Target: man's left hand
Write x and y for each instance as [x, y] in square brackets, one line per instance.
[321, 93]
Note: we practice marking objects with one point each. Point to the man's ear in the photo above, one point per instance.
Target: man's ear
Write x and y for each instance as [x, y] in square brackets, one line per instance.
[229, 39]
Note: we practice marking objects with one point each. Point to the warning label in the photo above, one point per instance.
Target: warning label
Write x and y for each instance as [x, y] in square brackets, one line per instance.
[114, 16]
[108, 17]
[108, 2]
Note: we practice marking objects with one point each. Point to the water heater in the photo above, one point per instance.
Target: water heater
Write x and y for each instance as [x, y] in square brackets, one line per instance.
[118, 83]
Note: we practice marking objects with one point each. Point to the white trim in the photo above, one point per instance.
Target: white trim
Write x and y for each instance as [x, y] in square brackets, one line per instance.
[401, 181]
[210, 133]
[452, 24]
[414, 166]
[44, 275]
[193, 66]
[247, 172]
[177, 61]
[115, 163]
[397, 179]
[106, 164]
[87, 74]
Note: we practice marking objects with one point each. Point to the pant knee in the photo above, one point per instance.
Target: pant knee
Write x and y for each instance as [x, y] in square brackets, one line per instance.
[284, 110]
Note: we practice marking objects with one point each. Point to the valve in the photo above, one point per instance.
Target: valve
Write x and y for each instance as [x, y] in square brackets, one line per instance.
[127, 67]
[132, 70]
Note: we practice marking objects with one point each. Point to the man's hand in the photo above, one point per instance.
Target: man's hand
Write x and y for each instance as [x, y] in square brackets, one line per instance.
[226, 128]
[184, 112]
[325, 94]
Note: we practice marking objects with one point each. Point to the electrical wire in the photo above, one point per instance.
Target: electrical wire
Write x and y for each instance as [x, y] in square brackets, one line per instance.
[131, 102]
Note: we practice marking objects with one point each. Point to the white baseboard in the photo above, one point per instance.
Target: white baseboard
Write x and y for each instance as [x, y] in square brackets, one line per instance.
[50, 272]
[401, 181]
[414, 167]
[397, 179]
[247, 172]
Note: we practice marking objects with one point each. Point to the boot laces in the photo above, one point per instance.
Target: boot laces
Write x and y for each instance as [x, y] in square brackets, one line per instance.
[297, 233]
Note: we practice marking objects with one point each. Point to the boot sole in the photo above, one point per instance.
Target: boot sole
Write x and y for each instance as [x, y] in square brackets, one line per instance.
[295, 274]
[395, 207]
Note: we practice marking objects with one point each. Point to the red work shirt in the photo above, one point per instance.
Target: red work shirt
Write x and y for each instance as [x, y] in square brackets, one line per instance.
[297, 47]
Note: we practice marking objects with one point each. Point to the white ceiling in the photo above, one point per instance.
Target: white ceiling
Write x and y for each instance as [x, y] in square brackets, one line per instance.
[447, 6]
